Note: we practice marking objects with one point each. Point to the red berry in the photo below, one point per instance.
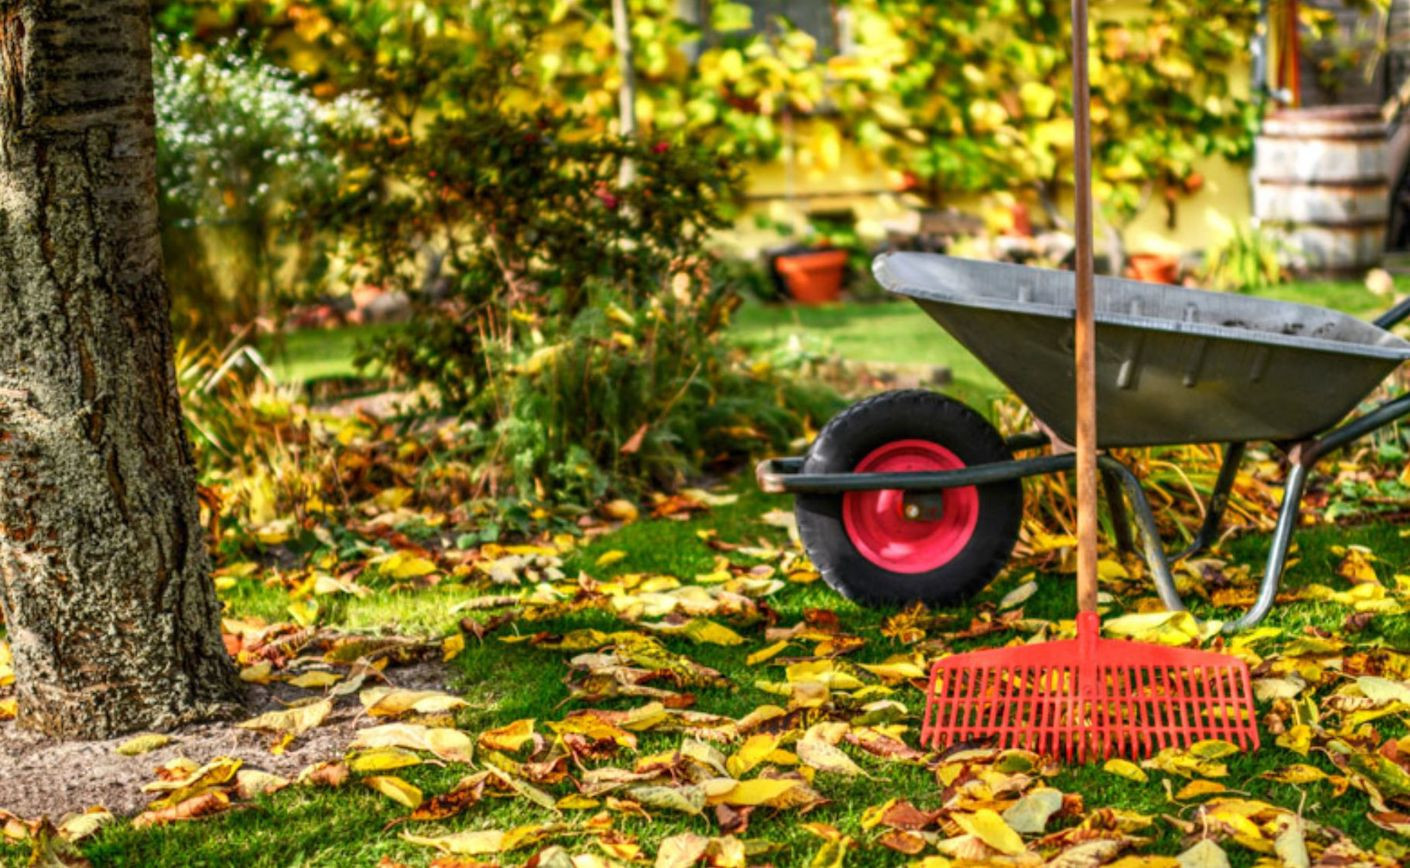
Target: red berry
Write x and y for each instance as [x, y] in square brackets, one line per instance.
[605, 196]
[661, 147]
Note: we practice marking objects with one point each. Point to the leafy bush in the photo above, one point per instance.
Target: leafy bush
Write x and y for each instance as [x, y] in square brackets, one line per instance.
[645, 398]
[240, 142]
[1247, 260]
[568, 307]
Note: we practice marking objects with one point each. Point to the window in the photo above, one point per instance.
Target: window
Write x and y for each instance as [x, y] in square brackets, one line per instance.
[819, 19]
[816, 18]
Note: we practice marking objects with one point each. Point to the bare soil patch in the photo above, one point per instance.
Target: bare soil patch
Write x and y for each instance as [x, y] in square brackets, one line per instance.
[43, 777]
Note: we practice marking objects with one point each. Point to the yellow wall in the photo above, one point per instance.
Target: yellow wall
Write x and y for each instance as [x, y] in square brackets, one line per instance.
[786, 189]
[1201, 220]
[784, 192]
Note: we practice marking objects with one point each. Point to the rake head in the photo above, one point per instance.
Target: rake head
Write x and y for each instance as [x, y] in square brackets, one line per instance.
[1089, 698]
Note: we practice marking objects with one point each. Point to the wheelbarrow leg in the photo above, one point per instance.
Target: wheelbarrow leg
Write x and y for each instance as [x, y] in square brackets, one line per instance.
[1218, 502]
[1160, 566]
[1150, 535]
[1120, 519]
[1278, 550]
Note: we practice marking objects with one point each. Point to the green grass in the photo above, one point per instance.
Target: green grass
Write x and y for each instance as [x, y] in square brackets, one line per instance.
[311, 355]
[505, 682]
[1349, 296]
[898, 332]
[890, 332]
[882, 332]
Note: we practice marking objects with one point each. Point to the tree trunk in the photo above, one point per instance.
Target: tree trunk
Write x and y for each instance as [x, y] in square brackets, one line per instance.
[104, 577]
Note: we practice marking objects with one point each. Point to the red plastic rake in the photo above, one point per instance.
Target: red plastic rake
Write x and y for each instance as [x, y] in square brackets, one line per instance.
[1088, 697]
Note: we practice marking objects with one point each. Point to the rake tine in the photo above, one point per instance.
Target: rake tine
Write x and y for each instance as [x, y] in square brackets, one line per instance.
[1219, 709]
[1066, 700]
[926, 732]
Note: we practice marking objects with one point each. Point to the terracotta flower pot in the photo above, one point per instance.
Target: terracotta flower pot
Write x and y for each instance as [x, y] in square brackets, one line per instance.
[814, 277]
[1153, 268]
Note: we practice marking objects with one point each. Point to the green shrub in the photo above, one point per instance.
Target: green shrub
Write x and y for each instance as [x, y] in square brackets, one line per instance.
[1246, 260]
[569, 309]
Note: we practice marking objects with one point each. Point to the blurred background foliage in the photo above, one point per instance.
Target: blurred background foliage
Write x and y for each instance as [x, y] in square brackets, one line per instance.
[954, 96]
[464, 164]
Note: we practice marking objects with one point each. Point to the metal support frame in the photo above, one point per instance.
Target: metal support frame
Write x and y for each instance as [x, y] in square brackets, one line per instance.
[1218, 501]
[1120, 519]
[784, 475]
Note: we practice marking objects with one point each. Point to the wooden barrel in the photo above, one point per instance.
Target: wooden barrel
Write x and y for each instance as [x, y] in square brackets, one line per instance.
[1319, 177]
[1398, 40]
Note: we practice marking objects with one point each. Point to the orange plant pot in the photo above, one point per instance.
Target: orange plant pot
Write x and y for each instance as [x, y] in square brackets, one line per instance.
[1153, 268]
[813, 278]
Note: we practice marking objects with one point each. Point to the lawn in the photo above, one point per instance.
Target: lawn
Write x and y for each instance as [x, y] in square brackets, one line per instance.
[312, 355]
[1336, 651]
[898, 332]
[883, 332]
[507, 682]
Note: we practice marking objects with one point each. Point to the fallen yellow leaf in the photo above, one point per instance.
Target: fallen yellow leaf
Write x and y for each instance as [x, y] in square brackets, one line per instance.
[382, 759]
[316, 680]
[75, 827]
[989, 827]
[760, 791]
[1199, 788]
[755, 750]
[451, 646]
[766, 653]
[1125, 769]
[145, 743]
[404, 565]
[509, 738]
[395, 789]
[394, 702]
[260, 673]
[293, 721]
[475, 843]
[620, 510]
[250, 783]
[607, 559]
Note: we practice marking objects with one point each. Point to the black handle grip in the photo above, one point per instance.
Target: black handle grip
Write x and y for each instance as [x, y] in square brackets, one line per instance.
[1394, 315]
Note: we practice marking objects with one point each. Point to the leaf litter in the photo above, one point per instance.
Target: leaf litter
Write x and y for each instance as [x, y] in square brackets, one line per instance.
[637, 738]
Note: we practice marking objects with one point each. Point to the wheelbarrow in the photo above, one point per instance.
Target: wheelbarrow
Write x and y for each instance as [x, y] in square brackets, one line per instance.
[912, 496]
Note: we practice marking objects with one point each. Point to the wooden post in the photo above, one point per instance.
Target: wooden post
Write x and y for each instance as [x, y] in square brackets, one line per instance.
[626, 94]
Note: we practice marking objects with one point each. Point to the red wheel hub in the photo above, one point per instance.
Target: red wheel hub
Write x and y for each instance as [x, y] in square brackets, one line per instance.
[876, 521]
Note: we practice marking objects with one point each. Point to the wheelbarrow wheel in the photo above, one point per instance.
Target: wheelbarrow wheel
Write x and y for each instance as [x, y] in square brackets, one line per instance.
[862, 542]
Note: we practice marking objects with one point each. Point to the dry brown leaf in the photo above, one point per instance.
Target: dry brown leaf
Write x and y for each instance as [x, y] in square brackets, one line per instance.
[324, 774]
[195, 807]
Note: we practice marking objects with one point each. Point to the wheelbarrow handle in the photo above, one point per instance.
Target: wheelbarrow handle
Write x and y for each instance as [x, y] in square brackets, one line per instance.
[1394, 315]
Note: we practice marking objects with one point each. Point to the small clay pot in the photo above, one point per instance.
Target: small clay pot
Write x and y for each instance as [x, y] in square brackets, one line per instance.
[814, 277]
[1153, 268]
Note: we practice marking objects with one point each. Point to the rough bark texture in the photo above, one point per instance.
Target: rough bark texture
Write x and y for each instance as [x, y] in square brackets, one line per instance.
[104, 576]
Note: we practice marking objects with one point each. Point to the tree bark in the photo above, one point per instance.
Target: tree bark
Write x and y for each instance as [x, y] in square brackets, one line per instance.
[104, 577]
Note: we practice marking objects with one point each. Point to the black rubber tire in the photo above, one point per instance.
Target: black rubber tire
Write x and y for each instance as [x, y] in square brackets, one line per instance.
[904, 415]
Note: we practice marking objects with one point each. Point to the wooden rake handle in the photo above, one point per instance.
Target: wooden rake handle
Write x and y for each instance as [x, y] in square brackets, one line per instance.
[1086, 360]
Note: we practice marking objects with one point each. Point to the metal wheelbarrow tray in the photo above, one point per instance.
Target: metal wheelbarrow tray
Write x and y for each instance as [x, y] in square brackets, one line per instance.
[926, 504]
[1174, 365]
